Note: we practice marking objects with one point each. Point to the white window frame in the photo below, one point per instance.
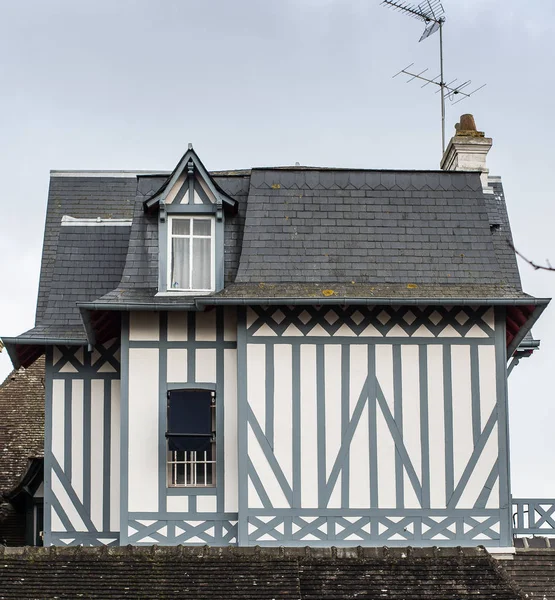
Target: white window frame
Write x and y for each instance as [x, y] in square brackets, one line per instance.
[191, 236]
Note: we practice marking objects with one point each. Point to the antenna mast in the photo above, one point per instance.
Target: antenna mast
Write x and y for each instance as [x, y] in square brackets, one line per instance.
[432, 14]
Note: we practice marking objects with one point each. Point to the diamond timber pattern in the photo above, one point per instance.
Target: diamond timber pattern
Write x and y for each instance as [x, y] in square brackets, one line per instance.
[436, 320]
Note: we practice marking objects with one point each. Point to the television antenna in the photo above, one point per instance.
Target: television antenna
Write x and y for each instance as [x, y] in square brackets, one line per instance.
[432, 14]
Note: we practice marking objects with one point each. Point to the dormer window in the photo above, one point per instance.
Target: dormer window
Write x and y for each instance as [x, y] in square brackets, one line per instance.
[191, 252]
[192, 210]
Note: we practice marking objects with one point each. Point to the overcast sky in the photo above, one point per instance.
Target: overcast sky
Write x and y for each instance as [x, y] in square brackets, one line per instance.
[126, 84]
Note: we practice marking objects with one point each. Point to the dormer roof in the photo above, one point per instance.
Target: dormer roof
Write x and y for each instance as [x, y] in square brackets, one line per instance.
[190, 183]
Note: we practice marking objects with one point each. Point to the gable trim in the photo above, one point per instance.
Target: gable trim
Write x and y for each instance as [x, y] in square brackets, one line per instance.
[160, 196]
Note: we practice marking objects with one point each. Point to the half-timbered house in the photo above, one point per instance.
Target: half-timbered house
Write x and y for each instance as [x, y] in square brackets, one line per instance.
[279, 356]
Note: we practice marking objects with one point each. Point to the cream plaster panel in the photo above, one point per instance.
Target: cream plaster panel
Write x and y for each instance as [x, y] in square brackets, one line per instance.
[206, 504]
[55, 521]
[66, 504]
[309, 431]
[359, 456]
[177, 504]
[56, 355]
[481, 472]
[97, 451]
[256, 382]
[386, 447]
[115, 428]
[410, 379]
[175, 189]
[251, 317]
[177, 365]
[254, 500]
[489, 318]
[207, 190]
[177, 326]
[488, 384]
[205, 366]
[494, 498]
[231, 443]
[230, 324]
[206, 326]
[265, 473]
[68, 368]
[332, 382]
[143, 430]
[463, 444]
[77, 437]
[144, 326]
[436, 420]
[283, 409]
[58, 420]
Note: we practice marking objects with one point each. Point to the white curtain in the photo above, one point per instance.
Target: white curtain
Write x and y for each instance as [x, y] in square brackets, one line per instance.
[180, 276]
[202, 261]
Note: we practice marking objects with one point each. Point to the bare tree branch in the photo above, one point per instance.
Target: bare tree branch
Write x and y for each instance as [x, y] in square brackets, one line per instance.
[546, 267]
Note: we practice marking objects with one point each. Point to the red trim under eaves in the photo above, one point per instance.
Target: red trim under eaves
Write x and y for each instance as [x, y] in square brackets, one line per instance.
[517, 317]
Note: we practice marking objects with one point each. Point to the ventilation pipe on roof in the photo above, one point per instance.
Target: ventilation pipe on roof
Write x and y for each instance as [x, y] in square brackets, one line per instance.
[467, 150]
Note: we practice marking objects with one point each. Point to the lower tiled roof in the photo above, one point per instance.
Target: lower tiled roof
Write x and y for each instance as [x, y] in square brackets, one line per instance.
[21, 437]
[533, 570]
[253, 573]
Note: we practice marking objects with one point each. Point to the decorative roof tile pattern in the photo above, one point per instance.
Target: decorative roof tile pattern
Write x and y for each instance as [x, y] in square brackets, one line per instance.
[253, 573]
[367, 227]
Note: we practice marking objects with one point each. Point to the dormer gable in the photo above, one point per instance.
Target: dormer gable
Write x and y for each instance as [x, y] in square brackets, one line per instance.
[190, 185]
[191, 222]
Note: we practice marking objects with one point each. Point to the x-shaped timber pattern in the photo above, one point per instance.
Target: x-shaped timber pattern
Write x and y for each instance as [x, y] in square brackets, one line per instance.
[383, 318]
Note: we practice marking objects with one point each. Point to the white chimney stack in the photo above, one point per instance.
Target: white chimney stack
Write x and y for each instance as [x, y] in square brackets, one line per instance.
[467, 150]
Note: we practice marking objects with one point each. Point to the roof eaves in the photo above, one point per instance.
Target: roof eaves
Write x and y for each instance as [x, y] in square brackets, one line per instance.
[190, 304]
[211, 300]
[519, 337]
[103, 173]
[37, 341]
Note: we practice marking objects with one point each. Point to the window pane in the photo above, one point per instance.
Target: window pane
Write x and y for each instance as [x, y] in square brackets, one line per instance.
[180, 276]
[181, 226]
[202, 227]
[202, 263]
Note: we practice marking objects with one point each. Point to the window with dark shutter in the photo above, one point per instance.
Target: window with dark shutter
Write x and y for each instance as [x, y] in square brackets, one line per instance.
[191, 438]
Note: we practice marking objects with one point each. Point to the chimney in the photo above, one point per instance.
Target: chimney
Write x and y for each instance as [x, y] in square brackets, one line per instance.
[467, 150]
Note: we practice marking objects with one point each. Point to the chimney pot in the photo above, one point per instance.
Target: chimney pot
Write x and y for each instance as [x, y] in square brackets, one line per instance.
[468, 123]
[467, 127]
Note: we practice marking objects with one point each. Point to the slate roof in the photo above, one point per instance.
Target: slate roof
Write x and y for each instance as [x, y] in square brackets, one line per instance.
[253, 573]
[22, 393]
[298, 231]
[80, 197]
[368, 227]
